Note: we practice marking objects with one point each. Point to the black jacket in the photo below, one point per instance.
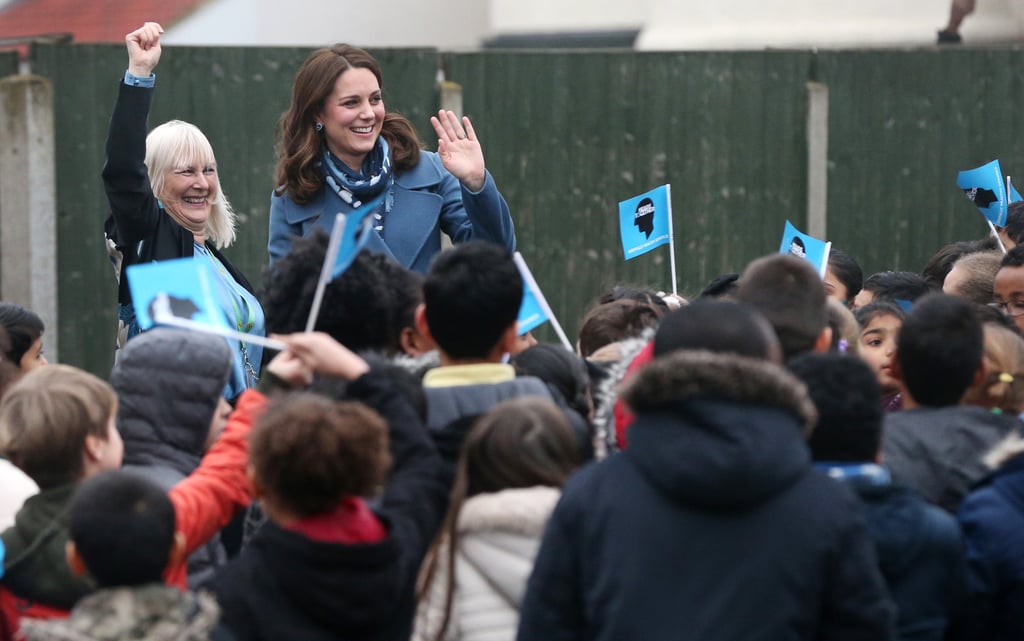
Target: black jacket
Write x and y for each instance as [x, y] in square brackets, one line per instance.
[711, 526]
[938, 450]
[139, 228]
[286, 586]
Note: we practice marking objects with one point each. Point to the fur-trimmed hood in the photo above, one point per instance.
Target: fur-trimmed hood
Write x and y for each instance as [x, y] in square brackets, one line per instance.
[719, 431]
[1009, 448]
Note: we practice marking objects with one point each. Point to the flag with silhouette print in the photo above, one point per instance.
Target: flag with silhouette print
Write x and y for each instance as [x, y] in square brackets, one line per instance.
[348, 237]
[181, 293]
[987, 188]
[807, 247]
[645, 222]
[174, 289]
[534, 311]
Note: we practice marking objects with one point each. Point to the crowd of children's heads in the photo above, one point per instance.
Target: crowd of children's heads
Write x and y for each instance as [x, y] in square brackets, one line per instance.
[863, 347]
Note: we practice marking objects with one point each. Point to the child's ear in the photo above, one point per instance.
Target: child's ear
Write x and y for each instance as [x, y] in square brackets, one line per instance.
[93, 447]
[823, 343]
[74, 559]
[421, 321]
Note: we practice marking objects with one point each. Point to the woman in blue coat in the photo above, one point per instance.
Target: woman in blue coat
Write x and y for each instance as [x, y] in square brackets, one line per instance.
[339, 150]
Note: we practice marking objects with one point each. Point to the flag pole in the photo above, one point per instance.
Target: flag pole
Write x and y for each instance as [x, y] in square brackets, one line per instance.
[671, 240]
[995, 234]
[527, 275]
[333, 246]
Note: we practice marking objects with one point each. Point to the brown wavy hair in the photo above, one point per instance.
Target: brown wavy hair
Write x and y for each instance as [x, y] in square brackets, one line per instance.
[299, 144]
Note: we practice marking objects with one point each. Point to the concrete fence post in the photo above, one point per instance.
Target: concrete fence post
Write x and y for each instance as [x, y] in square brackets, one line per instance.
[817, 160]
[28, 201]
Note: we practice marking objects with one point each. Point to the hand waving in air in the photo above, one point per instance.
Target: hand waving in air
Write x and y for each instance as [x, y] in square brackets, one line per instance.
[459, 149]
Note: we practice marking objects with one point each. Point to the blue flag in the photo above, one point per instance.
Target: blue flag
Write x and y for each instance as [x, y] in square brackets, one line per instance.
[985, 186]
[807, 247]
[355, 232]
[645, 222]
[181, 288]
[531, 314]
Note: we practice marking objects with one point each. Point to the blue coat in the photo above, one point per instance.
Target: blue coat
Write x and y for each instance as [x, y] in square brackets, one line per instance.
[992, 517]
[428, 200]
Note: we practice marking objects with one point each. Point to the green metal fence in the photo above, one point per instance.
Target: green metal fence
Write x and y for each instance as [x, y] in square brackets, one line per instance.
[568, 134]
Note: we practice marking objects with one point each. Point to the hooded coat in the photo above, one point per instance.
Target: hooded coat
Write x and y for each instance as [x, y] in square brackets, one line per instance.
[498, 537]
[711, 526]
[284, 585]
[169, 384]
[992, 517]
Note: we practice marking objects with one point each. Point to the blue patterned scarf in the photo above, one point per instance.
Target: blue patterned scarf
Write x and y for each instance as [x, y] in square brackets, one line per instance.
[372, 186]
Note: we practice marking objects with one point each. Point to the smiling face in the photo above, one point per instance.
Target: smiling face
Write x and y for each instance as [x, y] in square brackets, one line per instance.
[352, 116]
[877, 346]
[188, 193]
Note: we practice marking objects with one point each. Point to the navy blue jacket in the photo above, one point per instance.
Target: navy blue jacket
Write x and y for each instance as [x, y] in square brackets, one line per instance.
[992, 517]
[711, 526]
[921, 555]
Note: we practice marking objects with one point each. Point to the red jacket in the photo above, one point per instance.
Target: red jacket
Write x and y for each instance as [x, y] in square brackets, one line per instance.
[211, 495]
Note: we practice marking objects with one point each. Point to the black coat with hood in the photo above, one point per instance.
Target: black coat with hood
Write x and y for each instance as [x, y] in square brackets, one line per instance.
[169, 383]
[711, 526]
[286, 586]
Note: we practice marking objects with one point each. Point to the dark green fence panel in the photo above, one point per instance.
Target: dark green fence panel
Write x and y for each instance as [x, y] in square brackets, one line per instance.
[568, 135]
[902, 124]
[235, 95]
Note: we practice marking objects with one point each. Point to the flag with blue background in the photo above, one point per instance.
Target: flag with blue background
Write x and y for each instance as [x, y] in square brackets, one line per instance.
[354, 234]
[807, 247]
[182, 288]
[985, 186]
[644, 222]
[531, 313]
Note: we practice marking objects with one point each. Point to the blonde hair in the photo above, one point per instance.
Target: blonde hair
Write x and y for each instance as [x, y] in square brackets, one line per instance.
[45, 417]
[177, 144]
[1003, 385]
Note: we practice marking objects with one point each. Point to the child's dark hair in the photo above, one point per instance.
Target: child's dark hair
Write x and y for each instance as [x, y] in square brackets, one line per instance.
[364, 308]
[939, 349]
[122, 525]
[559, 368]
[717, 326]
[847, 395]
[309, 452]
[520, 443]
[871, 311]
[24, 327]
[629, 292]
[894, 286]
[847, 271]
[1013, 258]
[472, 295]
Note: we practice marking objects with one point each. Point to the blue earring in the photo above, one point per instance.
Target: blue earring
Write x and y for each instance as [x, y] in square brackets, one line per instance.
[319, 126]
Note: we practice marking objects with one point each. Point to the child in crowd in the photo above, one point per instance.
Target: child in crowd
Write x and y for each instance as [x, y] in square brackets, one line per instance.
[122, 536]
[902, 288]
[919, 549]
[935, 445]
[510, 474]
[472, 294]
[1002, 389]
[712, 525]
[25, 331]
[973, 275]
[843, 277]
[791, 295]
[58, 425]
[325, 566]
[880, 324]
